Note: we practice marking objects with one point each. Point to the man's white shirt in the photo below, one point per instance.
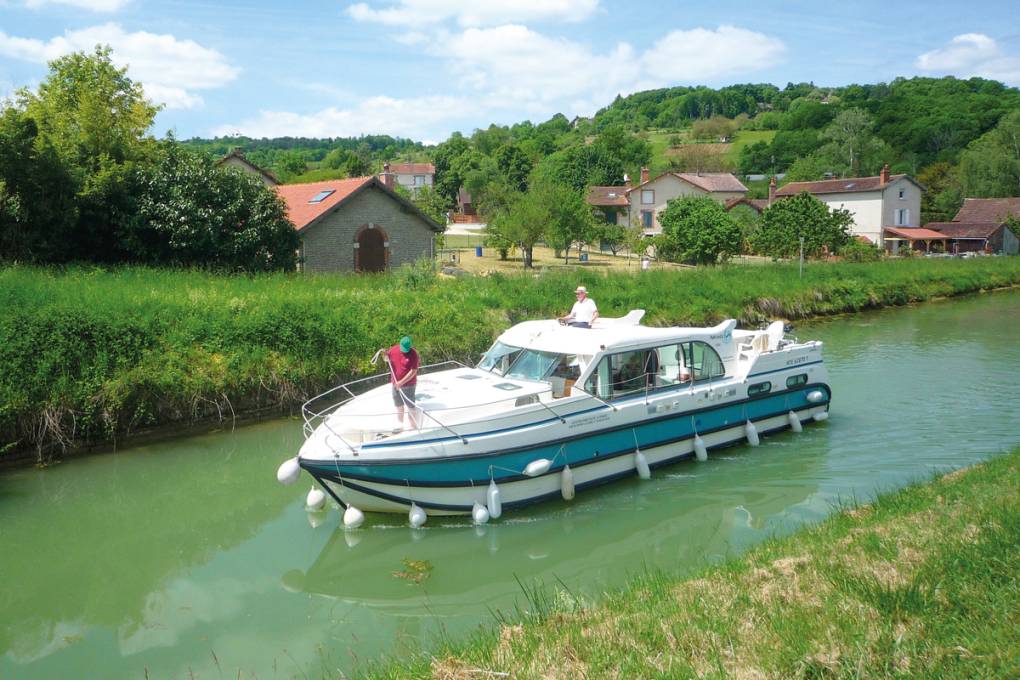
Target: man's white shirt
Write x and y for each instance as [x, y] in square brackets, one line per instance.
[584, 310]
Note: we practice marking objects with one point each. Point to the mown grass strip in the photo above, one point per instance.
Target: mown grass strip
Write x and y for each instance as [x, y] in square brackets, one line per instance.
[92, 355]
[922, 583]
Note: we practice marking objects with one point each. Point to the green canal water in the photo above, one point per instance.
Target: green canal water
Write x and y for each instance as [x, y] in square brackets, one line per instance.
[186, 559]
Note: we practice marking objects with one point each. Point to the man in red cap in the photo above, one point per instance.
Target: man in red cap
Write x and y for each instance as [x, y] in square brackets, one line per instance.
[404, 361]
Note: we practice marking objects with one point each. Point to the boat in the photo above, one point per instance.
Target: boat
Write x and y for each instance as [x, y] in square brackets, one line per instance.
[553, 410]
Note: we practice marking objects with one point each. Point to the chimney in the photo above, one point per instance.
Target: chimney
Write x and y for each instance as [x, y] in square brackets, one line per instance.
[387, 177]
[883, 177]
[626, 180]
[772, 190]
[644, 175]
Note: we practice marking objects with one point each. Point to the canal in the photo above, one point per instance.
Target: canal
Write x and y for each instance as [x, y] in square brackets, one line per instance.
[186, 559]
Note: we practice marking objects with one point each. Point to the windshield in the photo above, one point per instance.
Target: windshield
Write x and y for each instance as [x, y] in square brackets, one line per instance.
[499, 358]
[533, 365]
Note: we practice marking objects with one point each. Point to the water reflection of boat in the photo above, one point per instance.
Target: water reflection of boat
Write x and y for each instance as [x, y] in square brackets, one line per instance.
[551, 409]
[664, 523]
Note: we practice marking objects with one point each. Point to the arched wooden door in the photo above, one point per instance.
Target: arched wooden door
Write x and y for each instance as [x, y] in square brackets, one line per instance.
[371, 250]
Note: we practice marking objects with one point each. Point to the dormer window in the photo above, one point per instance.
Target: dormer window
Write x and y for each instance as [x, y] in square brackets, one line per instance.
[322, 196]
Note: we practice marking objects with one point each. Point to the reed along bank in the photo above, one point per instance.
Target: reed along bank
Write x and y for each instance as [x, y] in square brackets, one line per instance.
[94, 356]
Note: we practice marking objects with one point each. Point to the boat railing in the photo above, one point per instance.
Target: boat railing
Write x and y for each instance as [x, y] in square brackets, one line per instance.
[344, 393]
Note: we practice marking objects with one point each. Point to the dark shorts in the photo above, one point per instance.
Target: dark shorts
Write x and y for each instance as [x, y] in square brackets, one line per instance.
[408, 392]
[579, 324]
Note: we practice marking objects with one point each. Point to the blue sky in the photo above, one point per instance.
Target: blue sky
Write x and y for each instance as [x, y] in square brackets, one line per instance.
[424, 68]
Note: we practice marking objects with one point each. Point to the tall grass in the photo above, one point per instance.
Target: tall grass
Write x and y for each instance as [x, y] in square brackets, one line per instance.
[920, 584]
[91, 355]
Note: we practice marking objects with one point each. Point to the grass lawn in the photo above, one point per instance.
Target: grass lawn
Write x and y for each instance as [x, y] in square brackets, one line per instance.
[922, 583]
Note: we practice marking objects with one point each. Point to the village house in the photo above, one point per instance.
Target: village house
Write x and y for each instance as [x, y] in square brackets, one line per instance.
[644, 202]
[411, 176]
[236, 159]
[980, 226]
[875, 202]
[358, 224]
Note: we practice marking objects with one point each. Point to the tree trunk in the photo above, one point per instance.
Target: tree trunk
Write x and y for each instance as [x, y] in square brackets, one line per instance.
[526, 252]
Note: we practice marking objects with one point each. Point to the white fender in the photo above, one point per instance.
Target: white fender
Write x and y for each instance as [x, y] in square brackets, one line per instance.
[794, 421]
[641, 463]
[538, 467]
[567, 483]
[315, 499]
[819, 417]
[479, 513]
[815, 396]
[494, 503]
[416, 516]
[288, 471]
[353, 518]
[700, 450]
[751, 432]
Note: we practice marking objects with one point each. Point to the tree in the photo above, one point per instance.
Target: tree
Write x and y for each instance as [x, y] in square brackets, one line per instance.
[853, 147]
[191, 212]
[755, 158]
[698, 229]
[784, 223]
[568, 219]
[716, 127]
[523, 224]
[580, 167]
[807, 169]
[943, 197]
[94, 119]
[432, 203]
[515, 165]
[700, 158]
[990, 166]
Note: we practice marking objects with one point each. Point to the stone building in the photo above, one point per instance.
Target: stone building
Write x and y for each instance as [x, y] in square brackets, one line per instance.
[358, 224]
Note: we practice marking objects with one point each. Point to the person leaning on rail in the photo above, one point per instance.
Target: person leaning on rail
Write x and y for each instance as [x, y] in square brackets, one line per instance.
[404, 362]
[584, 312]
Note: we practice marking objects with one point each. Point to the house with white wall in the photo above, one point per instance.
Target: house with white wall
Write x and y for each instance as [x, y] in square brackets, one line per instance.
[875, 202]
[646, 200]
[411, 176]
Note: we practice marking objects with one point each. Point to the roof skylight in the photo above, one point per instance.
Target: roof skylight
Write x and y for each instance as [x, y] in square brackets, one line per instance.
[322, 195]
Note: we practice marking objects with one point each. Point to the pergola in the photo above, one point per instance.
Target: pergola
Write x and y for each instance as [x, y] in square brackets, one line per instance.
[912, 235]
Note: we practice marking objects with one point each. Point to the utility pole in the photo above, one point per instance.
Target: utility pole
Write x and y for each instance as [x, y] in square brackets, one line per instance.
[801, 257]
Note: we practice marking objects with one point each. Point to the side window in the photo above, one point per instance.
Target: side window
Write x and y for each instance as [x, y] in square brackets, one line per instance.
[703, 361]
[564, 375]
[759, 388]
[797, 380]
[598, 382]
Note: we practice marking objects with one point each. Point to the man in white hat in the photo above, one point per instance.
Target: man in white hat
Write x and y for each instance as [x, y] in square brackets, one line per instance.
[583, 313]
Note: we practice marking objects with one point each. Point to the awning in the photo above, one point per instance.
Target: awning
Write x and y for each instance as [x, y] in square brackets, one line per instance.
[913, 234]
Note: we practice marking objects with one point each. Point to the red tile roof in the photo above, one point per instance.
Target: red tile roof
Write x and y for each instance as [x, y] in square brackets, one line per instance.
[757, 204]
[608, 196]
[988, 210]
[915, 233]
[838, 186]
[965, 229]
[413, 168]
[302, 213]
[713, 181]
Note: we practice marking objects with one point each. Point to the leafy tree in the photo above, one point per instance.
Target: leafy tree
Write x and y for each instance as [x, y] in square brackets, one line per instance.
[448, 182]
[568, 217]
[632, 151]
[700, 158]
[784, 223]
[515, 165]
[943, 197]
[698, 229]
[853, 148]
[191, 212]
[755, 158]
[32, 229]
[990, 166]
[715, 127]
[580, 167]
[522, 224]
[807, 169]
[94, 118]
[432, 203]
[611, 235]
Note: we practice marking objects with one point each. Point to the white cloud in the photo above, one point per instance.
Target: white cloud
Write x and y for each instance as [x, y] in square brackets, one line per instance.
[412, 117]
[94, 5]
[508, 72]
[472, 13]
[168, 68]
[972, 54]
[701, 55]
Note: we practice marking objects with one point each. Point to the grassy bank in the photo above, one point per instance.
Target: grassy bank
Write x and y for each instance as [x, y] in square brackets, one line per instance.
[921, 583]
[93, 356]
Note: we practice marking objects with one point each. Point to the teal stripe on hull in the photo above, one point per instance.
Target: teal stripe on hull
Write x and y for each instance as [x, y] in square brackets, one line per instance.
[506, 466]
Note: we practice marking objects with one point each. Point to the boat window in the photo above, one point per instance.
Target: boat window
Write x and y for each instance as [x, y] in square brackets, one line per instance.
[703, 361]
[759, 388]
[564, 374]
[531, 364]
[499, 358]
[797, 380]
[625, 373]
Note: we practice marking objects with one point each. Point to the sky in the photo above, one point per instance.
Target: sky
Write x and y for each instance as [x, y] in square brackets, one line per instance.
[426, 68]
